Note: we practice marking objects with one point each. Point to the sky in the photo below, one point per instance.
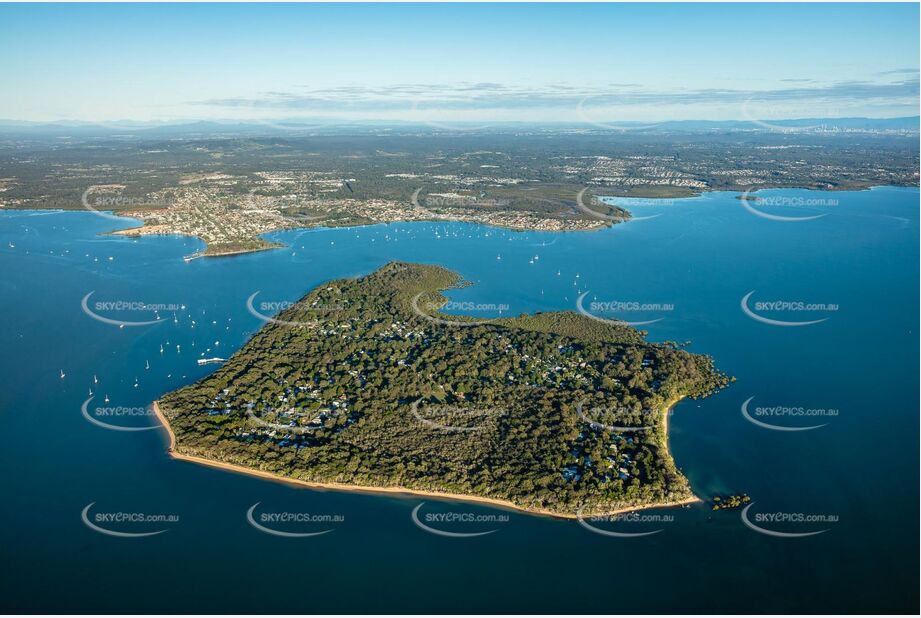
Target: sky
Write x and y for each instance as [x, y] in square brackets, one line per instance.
[442, 63]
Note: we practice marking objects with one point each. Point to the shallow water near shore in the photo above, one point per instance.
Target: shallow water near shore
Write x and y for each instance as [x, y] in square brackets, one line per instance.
[690, 264]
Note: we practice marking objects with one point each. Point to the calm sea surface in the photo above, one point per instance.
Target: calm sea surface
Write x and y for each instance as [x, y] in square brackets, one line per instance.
[854, 479]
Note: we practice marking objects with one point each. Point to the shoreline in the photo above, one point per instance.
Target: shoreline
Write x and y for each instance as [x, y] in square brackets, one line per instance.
[154, 230]
[137, 231]
[369, 489]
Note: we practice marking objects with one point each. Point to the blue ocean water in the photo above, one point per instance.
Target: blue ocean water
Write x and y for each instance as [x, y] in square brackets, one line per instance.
[691, 263]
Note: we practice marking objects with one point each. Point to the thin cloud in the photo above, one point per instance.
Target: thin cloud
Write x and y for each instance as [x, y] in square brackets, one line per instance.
[900, 72]
[480, 96]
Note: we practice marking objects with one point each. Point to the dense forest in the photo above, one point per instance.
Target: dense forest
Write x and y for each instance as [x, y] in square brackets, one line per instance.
[354, 385]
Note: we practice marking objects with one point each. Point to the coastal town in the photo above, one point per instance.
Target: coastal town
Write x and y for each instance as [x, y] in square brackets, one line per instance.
[230, 193]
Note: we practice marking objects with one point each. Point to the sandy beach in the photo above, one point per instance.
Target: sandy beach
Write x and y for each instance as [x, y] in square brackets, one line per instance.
[171, 451]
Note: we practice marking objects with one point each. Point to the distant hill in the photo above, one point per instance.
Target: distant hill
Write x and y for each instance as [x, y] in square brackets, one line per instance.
[208, 128]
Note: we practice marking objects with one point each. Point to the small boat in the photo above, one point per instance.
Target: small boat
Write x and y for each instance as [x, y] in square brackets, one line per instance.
[208, 361]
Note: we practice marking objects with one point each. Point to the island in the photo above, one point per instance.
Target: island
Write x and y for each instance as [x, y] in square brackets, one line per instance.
[733, 501]
[364, 385]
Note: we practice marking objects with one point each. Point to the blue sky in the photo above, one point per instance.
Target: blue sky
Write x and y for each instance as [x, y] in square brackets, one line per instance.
[469, 62]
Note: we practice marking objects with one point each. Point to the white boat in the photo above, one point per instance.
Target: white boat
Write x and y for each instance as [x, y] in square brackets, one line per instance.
[208, 361]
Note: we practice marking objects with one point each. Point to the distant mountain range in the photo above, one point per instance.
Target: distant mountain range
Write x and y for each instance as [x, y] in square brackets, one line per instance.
[205, 128]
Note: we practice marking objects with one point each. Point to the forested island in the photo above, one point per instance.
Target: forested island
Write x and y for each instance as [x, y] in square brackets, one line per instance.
[363, 384]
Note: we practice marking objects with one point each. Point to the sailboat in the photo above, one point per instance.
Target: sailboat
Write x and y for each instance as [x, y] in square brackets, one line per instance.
[146, 364]
[62, 374]
[95, 379]
[91, 392]
[107, 398]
